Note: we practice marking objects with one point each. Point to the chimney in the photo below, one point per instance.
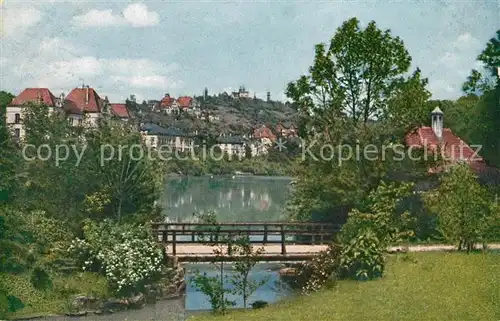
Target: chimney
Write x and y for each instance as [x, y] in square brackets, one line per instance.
[437, 122]
[87, 94]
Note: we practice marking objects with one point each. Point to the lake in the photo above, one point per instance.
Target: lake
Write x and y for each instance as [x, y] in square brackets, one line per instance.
[234, 199]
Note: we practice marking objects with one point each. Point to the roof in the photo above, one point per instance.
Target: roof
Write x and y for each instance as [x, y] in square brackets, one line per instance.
[76, 103]
[264, 132]
[437, 111]
[32, 95]
[184, 101]
[120, 110]
[453, 148]
[154, 129]
[166, 102]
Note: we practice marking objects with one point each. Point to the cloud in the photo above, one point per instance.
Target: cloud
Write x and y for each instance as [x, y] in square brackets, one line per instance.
[97, 18]
[135, 15]
[16, 20]
[138, 15]
[466, 41]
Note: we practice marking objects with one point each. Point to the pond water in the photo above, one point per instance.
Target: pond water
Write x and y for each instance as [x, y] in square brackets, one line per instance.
[233, 198]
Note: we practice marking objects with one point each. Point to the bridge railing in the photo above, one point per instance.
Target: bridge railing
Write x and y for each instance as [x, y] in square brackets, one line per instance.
[302, 233]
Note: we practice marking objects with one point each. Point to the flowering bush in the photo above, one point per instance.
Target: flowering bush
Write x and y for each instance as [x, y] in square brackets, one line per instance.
[126, 255]
[312, 275]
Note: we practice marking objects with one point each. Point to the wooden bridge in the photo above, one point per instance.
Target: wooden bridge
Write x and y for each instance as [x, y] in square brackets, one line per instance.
[281, 241]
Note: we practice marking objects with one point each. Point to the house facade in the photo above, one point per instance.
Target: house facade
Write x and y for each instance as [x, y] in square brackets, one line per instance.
[83, 107]
[286, 129]
[232, 145]
[171, 105]
[156, 136]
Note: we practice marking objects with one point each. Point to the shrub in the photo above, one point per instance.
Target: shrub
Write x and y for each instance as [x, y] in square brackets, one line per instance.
[363, 257]
[128, 256]
[313, 274]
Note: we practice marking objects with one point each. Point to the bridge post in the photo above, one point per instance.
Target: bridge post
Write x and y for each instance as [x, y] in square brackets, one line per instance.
[283, 247]
[174, 249]
[265, 235]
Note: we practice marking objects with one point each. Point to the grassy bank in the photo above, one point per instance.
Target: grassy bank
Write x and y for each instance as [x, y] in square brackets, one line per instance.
[55, 300]
[420, 286]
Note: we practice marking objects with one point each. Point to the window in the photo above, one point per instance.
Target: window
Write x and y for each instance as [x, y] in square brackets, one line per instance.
[71, 121]
[17, 118]
[17, 133]
[80, 121]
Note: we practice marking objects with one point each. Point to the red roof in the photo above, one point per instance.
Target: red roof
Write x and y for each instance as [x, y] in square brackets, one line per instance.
[33, 95]
[76, 101]
[166, 102]
[453, 148]
[120, 110]
[184, 102]
[264, 132]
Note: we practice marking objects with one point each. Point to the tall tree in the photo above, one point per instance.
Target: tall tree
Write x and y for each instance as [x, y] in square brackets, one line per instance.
[486, 128]
[355, 94]
[8, 153]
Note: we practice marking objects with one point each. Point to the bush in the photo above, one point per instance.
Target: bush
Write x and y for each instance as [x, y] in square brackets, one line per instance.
[363, 257]
[128, 256]
[312, 275]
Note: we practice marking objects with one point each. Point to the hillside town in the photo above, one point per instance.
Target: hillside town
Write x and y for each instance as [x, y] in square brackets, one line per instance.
[83, 106]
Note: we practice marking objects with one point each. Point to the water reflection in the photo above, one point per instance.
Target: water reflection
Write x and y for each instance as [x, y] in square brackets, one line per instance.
[238, 199]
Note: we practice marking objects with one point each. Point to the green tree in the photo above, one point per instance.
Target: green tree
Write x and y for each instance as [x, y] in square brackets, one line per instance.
[358, 78]
[248, 258]
[462, 206]
[8, 154]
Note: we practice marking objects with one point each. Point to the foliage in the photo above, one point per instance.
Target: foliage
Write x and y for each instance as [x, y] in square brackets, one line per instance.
[462, 206]
[128, 256]
[323, 268]
[363, 257]
[384, 219]
[249, 257]
[355, 96]
[213, 287]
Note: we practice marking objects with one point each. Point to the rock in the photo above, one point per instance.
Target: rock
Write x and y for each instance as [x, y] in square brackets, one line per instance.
[136, 302]
[259, 304]
[287, 272]
[181, 287]
[114, 305]
[83, 302]
[77, 314]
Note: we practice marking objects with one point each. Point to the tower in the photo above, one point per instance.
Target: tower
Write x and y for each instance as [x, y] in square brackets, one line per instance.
[437, 122]
[268, 96]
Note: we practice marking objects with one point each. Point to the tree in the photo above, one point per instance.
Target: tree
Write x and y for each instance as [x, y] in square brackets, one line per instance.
[486, 86]
[355, 95]
[462, 206]
[8, 155]
[249, 257]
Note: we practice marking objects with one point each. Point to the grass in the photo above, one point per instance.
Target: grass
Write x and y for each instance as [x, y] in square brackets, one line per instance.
[418, 286]
[55, 300]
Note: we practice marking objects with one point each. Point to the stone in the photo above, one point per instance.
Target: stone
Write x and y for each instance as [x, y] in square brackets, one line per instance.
[137, 301]
[287, 272]
[114, 305]
[181, 287]
[77, 314]
[83, 302]
[171, 289]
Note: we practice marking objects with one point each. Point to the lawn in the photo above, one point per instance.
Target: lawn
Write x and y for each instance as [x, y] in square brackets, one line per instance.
[420, 286]
[54, 300]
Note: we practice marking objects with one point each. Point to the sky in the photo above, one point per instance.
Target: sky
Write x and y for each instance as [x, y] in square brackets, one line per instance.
[150, 48]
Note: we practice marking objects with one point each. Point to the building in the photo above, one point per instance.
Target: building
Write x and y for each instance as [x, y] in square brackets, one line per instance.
[453, 149]
[286, 129]
[120, 111]
[156, 136]
[82, 106]
[241, 93]
[170, 105]
[232, 145]
[38, 96]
